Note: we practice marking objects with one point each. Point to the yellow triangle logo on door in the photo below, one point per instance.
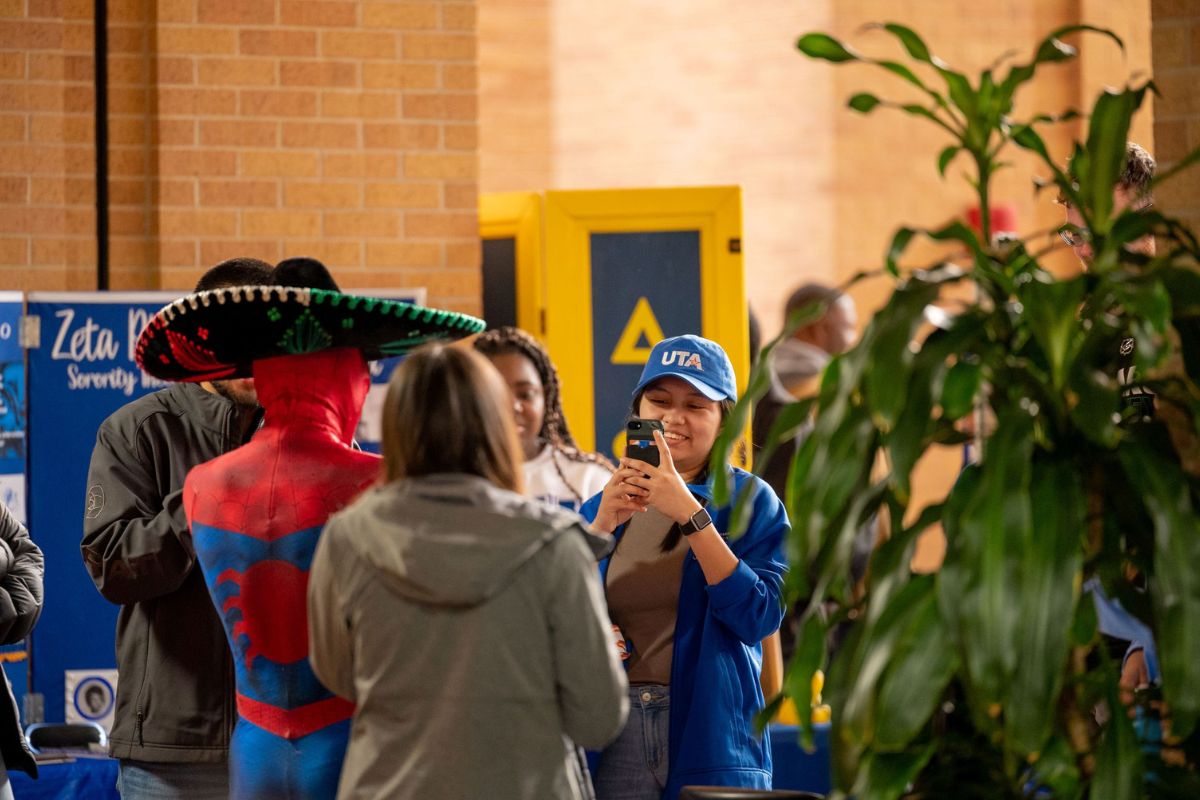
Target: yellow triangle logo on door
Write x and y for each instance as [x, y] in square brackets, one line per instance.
[641, 333]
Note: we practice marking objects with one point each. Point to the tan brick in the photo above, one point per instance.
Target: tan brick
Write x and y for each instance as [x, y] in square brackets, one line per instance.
[358, 44]
[441, 165]
[128, 70]
[401, 195]
[176, 132]
[63, 251]
[403, 254]
[442, 283]
[401, 16]
[277, 43]
[280, 103]
[428, 225]
[177, 193]
[12, 128]
[399, 76]
[332, 253]
[362, 223]
[76, 129]
[33, 159]
[177, 71]
[191, 41]
[318, 73]
[440, 106]
[59, 191]
[122, 39]
[239, 132]
[126, 100]
[80, 38]
[178, 253]
[359, 165]
[126, 221]
[128, 191]
[58, 67]
[128, 160]
[360, 105]
[459, 17]
[14, 252]
[461, 195]
[320, 134]
[237, 71]
[60, 9]
[288, 165]
[439, 47]
[127, 130]
[214, 252]
[236, 12]
[169, 10]
[281, 223]
[75, 98]
[460, 137]
[197, 102]
[196, 162]
[460, 77]
[24, 35]
[400, 136]
[12, 66]
[324, 14]
[239, 193]
[173, 223]
[464, 254]
[323, 194]
[14, 189]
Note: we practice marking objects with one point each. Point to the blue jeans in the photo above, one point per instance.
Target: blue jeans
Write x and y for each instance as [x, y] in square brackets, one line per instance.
[141, 780]
[634, 767]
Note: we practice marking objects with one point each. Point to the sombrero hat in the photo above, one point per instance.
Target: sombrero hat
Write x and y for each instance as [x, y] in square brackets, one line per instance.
[218, 334]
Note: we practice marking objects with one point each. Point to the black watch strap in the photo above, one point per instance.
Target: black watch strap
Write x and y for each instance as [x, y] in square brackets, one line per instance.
[698, 522]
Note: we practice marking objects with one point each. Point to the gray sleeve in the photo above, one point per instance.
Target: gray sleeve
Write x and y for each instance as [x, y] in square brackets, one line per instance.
[136, 544]
[330, 640]
[21, 581]
[592, 688]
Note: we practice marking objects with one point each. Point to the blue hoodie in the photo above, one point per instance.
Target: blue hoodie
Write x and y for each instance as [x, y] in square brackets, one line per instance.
[717, 661]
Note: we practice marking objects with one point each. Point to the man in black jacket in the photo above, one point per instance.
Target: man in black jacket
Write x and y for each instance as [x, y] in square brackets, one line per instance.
[175, 697]
[21, 570]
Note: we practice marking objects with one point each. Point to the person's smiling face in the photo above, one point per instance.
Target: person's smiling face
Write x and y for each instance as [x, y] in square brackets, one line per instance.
[690, 421]
[528, 396]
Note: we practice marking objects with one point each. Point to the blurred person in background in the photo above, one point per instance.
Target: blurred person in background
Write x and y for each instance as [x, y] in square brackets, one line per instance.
[21, 571]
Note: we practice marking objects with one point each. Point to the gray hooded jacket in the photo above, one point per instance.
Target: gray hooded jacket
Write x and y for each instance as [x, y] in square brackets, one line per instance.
[469, 625]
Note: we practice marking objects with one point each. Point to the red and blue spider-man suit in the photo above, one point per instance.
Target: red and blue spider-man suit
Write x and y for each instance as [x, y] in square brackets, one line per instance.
[256, 515]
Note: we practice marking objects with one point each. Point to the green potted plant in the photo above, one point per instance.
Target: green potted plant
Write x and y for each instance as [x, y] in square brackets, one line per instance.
[988, 678]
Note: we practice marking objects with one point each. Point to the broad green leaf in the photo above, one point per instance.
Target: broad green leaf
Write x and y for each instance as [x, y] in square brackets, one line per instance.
[1056, 769]
[863, 102]
[912, 42]
[1175, 584]
[1084, 624]
[898, 246]
[905, 73]
[1108, 131]
[945, 157]
[820, 45]
[1051, 312]
[807, 657]
[1118, 773]
[1048, 567]
[887, 775]
[1028, 138]
[960, 388]
[921, 667]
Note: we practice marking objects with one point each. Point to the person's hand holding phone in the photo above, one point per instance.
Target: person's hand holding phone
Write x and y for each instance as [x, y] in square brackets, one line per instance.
[661, 486]
[619, 500]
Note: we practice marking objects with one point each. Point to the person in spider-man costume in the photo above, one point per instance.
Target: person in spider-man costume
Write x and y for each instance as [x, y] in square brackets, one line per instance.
[256, 515]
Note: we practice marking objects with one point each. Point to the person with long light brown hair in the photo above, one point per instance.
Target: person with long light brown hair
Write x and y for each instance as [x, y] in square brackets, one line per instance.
[466, 621]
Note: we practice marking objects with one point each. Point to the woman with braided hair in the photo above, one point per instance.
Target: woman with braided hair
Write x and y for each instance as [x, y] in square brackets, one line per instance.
[556, 470]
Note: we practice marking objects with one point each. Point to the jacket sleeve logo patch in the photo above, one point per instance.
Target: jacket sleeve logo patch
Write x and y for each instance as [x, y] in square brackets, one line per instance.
[95, 501]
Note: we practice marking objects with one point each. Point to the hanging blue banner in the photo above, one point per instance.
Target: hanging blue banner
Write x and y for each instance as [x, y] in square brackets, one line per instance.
[81, 370]
[12, 405]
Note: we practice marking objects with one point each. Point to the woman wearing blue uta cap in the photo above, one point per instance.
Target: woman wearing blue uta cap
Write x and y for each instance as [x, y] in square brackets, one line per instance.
[690, 606]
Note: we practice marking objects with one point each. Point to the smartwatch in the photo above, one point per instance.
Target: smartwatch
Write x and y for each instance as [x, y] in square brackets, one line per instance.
[698, 522]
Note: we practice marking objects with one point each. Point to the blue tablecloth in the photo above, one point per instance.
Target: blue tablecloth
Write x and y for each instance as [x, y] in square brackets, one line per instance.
[796, 769]
[81, 779]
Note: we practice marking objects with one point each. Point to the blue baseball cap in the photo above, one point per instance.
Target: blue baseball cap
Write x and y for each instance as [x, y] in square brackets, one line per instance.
[699, 361]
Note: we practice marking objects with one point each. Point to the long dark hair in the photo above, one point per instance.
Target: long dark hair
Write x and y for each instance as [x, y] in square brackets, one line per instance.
[554, 423]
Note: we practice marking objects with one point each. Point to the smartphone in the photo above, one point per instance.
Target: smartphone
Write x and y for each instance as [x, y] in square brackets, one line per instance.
[639, 439]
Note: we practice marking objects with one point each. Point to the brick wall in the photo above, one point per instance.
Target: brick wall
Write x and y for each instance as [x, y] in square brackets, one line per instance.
[334, 128]
[1176, 36]
[47, 162]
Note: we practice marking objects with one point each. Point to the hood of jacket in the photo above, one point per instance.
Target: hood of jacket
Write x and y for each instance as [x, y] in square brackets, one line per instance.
[455, 540]
[324, 391]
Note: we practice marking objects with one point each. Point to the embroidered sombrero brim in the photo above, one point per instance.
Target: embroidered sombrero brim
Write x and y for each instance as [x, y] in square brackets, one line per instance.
[219, 334]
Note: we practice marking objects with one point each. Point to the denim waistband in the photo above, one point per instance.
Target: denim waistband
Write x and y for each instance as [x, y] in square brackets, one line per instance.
[649, 695]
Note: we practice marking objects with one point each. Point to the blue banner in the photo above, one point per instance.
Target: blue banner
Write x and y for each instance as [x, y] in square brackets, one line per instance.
[12, 452]
[82, 371]
[645, 287]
